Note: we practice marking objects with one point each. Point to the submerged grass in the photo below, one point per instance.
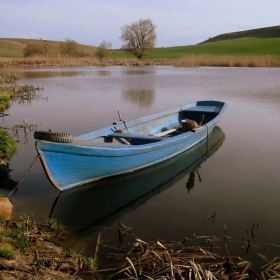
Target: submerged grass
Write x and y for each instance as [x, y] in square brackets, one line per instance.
[178, 260]
[88, 262]
[10, 91]
[54, 225]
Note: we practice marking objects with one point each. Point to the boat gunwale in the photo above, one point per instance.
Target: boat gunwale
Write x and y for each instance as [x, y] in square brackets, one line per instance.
[88, 146]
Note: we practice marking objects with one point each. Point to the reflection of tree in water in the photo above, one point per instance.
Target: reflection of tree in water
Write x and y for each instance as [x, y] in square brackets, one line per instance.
[103, 73]
[141, 97]
[138, 72]
[191, 181]
[47, 74]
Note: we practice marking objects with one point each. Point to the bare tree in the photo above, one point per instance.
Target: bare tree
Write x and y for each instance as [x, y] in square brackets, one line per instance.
[138, 37]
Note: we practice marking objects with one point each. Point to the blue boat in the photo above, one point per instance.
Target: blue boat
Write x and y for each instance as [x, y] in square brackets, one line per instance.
[125, 146]
[105, 201]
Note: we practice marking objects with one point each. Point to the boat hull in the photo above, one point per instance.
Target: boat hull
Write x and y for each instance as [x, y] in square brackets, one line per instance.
[110, 198]
[69, 165]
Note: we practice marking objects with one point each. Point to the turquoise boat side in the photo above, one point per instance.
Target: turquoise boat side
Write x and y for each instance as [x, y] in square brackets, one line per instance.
[97, 155]
[93, 201]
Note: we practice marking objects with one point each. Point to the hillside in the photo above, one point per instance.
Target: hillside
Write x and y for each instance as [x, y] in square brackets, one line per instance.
[267, 32]
[14, 47]
[244, 47]
[254, 48]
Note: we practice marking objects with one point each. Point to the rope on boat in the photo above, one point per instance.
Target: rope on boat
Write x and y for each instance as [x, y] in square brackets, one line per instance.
[207, 139]
[24, 176]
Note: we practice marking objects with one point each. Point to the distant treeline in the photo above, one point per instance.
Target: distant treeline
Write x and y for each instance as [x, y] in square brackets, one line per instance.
[68, 48]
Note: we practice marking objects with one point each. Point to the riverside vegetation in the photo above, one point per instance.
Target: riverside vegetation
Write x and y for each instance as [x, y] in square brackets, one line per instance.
[9, 90]
[28, 251]
[252, 48]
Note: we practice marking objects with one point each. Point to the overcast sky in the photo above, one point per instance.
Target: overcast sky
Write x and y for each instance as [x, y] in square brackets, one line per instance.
[178, 22]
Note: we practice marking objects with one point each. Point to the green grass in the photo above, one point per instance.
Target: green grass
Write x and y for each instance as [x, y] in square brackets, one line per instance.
[242, 47]
[88, 262]
[11, 48]
[54, 225]
[255, 42]
[6, 254]
[4, 101]
[266, 32]
[7, 144]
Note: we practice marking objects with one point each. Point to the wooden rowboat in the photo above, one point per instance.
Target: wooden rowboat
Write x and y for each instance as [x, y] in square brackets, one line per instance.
[125, 146]
[105, 201]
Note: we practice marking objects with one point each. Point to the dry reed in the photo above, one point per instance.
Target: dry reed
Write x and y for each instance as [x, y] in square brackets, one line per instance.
[176, 260]
[60, 61]
[186, 61]
[228, 61]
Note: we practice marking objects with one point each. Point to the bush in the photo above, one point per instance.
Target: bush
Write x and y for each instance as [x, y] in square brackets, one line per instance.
[7, 144]
[32, 49]
[4, 102]
[103, 50]
[69, 48]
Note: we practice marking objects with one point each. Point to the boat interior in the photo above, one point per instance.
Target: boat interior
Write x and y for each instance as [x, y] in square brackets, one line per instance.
[163, 127]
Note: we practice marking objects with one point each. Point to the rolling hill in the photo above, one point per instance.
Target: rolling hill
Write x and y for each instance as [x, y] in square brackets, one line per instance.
[267, 32]
[255, 42]
[14, 47]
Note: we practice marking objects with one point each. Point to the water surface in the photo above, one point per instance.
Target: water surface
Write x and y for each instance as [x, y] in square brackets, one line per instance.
[238, 180]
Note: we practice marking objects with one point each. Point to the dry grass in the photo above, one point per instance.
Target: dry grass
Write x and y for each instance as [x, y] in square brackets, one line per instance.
[64, 61]
[48, 61]
[28, 253]
[228, 61]
[179, 260]
[186, 61]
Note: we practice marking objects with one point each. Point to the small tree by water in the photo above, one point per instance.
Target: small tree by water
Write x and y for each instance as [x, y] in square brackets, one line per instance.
[138, 37]
[103, 51]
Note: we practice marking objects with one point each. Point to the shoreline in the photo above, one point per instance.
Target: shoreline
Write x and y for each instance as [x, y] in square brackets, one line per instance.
[29, 251]
[186, 61]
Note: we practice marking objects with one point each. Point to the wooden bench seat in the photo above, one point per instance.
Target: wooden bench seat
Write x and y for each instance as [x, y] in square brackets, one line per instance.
[168, 131]
[136, 139]
[204, 109]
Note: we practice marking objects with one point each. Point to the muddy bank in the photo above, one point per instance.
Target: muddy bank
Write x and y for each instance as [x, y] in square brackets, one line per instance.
[72, 62]
[29, 251]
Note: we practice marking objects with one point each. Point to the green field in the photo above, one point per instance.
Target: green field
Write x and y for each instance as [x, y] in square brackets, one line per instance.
[241, 47]
[266, 32]
[257, 42]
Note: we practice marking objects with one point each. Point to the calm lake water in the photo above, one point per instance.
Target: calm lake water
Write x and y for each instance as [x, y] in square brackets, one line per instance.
[238, 178]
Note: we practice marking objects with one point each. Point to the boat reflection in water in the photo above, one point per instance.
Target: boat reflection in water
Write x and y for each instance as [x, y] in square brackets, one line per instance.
[112, 197]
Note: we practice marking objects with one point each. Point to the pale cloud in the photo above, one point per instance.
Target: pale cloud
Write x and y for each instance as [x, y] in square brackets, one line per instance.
[28, 36]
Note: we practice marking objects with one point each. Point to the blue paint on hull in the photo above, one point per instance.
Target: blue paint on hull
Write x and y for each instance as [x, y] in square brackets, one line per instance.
[111, 197]
[95, 155]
